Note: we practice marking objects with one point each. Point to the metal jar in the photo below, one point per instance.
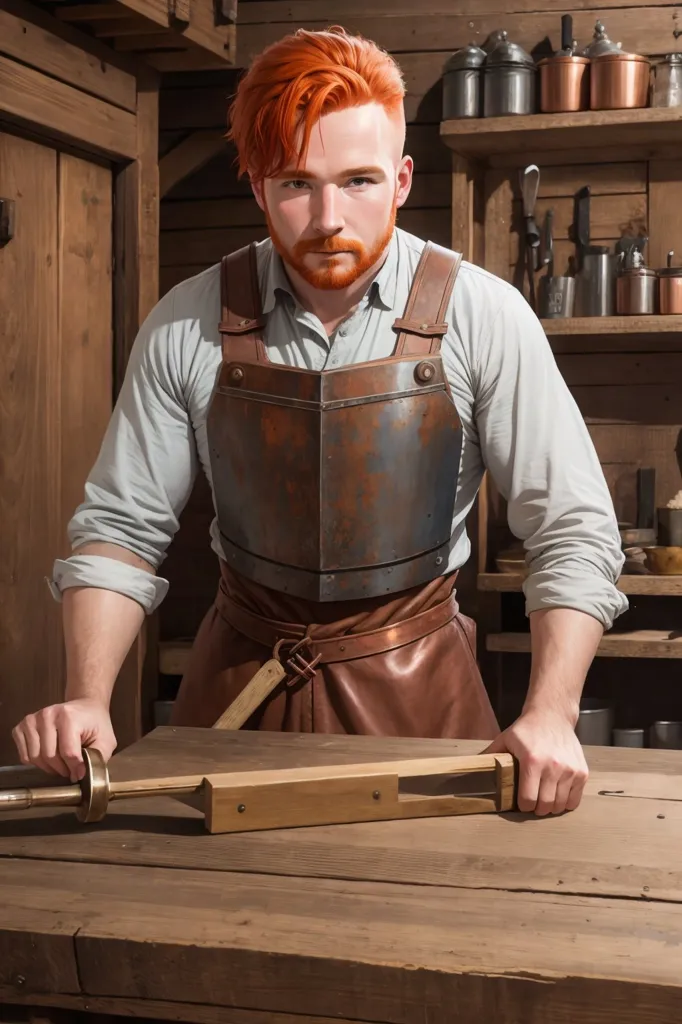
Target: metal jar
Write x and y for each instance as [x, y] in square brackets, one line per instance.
[635, 286]
[670, 290]
[666, 82]
[595, 285]
[564, 84]
[509, 80]
[462, 84]
[619, 81]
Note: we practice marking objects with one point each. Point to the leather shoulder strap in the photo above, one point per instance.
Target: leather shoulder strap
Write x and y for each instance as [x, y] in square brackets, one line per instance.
[242, 321]
[422, 326]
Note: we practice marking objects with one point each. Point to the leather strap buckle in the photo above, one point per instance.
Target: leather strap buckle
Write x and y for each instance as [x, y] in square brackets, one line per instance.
[299, 667]
[242, 327]
[423, 330]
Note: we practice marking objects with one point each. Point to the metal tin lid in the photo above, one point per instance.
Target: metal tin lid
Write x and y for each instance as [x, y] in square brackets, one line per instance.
[563, 58]
[672, 58]
[601, 44]
[506, 53]
[670, 272]
[637, 272]
[622, 57]
[470, 56]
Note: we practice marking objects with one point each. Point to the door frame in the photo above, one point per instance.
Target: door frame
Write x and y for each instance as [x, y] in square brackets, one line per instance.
[40, 59]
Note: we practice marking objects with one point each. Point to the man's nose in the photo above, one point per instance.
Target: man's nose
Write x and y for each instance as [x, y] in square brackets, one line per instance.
[327, 215]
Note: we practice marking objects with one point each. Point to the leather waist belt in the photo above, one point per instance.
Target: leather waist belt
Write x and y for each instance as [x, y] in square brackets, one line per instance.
[270, 633]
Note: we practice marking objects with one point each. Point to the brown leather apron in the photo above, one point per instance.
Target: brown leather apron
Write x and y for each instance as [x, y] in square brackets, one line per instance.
[398, 657]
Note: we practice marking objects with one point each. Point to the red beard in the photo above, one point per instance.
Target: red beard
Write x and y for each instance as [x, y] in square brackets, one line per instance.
[332, 275]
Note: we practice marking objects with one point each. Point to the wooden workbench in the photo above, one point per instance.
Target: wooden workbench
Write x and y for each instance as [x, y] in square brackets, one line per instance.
[468, 919]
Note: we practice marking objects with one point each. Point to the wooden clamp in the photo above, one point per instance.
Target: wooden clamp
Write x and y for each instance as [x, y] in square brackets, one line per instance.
[292, 797]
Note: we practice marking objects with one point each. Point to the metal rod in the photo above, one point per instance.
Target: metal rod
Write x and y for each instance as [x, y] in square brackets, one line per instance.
[47, 796]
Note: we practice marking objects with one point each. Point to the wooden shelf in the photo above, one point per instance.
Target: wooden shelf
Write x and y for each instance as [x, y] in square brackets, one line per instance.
[655, 586]
[644, 643]
[589, 129]
[587, 325]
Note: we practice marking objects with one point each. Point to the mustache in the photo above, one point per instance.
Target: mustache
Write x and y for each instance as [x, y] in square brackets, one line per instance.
[327, 245]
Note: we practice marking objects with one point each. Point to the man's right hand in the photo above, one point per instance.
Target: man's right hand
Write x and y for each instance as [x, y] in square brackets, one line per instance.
[52, 739]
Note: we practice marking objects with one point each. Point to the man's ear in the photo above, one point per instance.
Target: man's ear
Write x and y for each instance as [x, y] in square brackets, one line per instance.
[257, 189]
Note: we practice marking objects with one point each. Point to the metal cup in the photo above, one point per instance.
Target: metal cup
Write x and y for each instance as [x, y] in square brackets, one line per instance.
[666, 735]
[557, 297]
[595, 723]
[628, 737]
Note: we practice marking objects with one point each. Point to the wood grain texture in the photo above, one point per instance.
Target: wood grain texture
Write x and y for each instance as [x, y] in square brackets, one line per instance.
[30, 408]
[615, 325]
[65, 113]
[35, 46]
[188, 156]
[86, 301]
[643, 643]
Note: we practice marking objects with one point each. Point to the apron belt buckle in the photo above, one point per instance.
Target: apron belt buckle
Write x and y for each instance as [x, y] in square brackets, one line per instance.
[299, 667]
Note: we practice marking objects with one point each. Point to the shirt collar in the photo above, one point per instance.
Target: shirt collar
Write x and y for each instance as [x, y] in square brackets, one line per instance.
[384, 285]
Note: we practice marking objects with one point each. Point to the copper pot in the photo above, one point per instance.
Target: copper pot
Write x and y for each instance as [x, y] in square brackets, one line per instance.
[564, 84]
[670, 288]
[619, 81]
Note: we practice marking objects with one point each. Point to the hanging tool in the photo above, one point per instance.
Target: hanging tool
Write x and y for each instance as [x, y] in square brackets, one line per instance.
[290, 797]
[530, 183]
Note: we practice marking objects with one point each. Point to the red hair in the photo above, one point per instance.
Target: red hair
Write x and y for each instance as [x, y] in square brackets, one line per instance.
[297, 80]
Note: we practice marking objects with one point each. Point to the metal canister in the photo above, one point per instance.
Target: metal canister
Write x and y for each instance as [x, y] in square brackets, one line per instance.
[509, 80]
[628, 738]
[666, 735]
[595, 286]
[462, 83]
[595, 722]
[670, 287]
[564, 84]
[619, 81]
[635, 286]
[666, 82]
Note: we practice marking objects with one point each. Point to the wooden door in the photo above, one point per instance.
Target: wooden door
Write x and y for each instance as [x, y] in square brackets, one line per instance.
[56, 364]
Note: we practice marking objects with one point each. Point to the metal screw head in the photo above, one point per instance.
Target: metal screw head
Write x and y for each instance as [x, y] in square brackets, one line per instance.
[236, 375]
[241, 808]
[439, 560]
[376, 795]
[425, 371]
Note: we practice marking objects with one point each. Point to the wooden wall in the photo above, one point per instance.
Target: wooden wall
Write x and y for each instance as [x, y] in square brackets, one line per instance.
[210, 214]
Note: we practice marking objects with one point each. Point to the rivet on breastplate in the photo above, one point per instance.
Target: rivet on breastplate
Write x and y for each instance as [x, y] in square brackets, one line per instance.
[425, 371]
[236, 375]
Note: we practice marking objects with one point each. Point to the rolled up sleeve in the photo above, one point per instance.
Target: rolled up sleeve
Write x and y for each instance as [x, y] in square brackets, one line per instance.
[538, 450]
[143, 474]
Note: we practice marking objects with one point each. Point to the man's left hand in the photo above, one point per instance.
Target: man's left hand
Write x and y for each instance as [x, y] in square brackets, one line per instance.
[552, 766]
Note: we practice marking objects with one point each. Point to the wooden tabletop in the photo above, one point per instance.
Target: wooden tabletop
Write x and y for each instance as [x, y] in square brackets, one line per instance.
[429, 921]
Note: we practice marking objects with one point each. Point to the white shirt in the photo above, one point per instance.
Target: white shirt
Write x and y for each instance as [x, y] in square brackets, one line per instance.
[518, 416]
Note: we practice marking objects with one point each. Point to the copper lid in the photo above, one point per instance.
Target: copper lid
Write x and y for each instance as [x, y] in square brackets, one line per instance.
[621, 57]
[564, 59]
[670, 272]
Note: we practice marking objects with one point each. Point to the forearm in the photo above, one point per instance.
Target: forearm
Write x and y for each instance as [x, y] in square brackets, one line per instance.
[100, 627]
[563, 643]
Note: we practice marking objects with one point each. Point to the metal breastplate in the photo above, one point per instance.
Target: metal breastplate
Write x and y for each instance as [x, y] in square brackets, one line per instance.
[338, 484]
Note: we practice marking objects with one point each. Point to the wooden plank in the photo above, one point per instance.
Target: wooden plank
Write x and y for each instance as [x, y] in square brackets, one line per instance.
[577, 132]
[641, 30]
[30, 98]
[184, 935]
[156, 1009]
[660, 586]
[620, 368]
[646, 403]
[30, 431]
[498, 222]
[604, 179]
[641, 325]
[85, 312]
[665, 212]
[643, 643]
[257, 12]
[195, 59]
[611, 216]
[189, 156]
[40, 49]
[90, 12]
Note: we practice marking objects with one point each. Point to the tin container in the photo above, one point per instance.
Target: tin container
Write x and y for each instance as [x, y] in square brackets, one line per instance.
[670, 288]
[666, 82]
[595, 287]
[629, 737]
[619, 81]
[666, 735]
[462, 84]
[564, 84]
[595, 723]
[636, 285]
[509, 80]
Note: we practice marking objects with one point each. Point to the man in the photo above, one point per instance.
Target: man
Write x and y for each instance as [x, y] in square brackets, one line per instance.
[343, 385]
